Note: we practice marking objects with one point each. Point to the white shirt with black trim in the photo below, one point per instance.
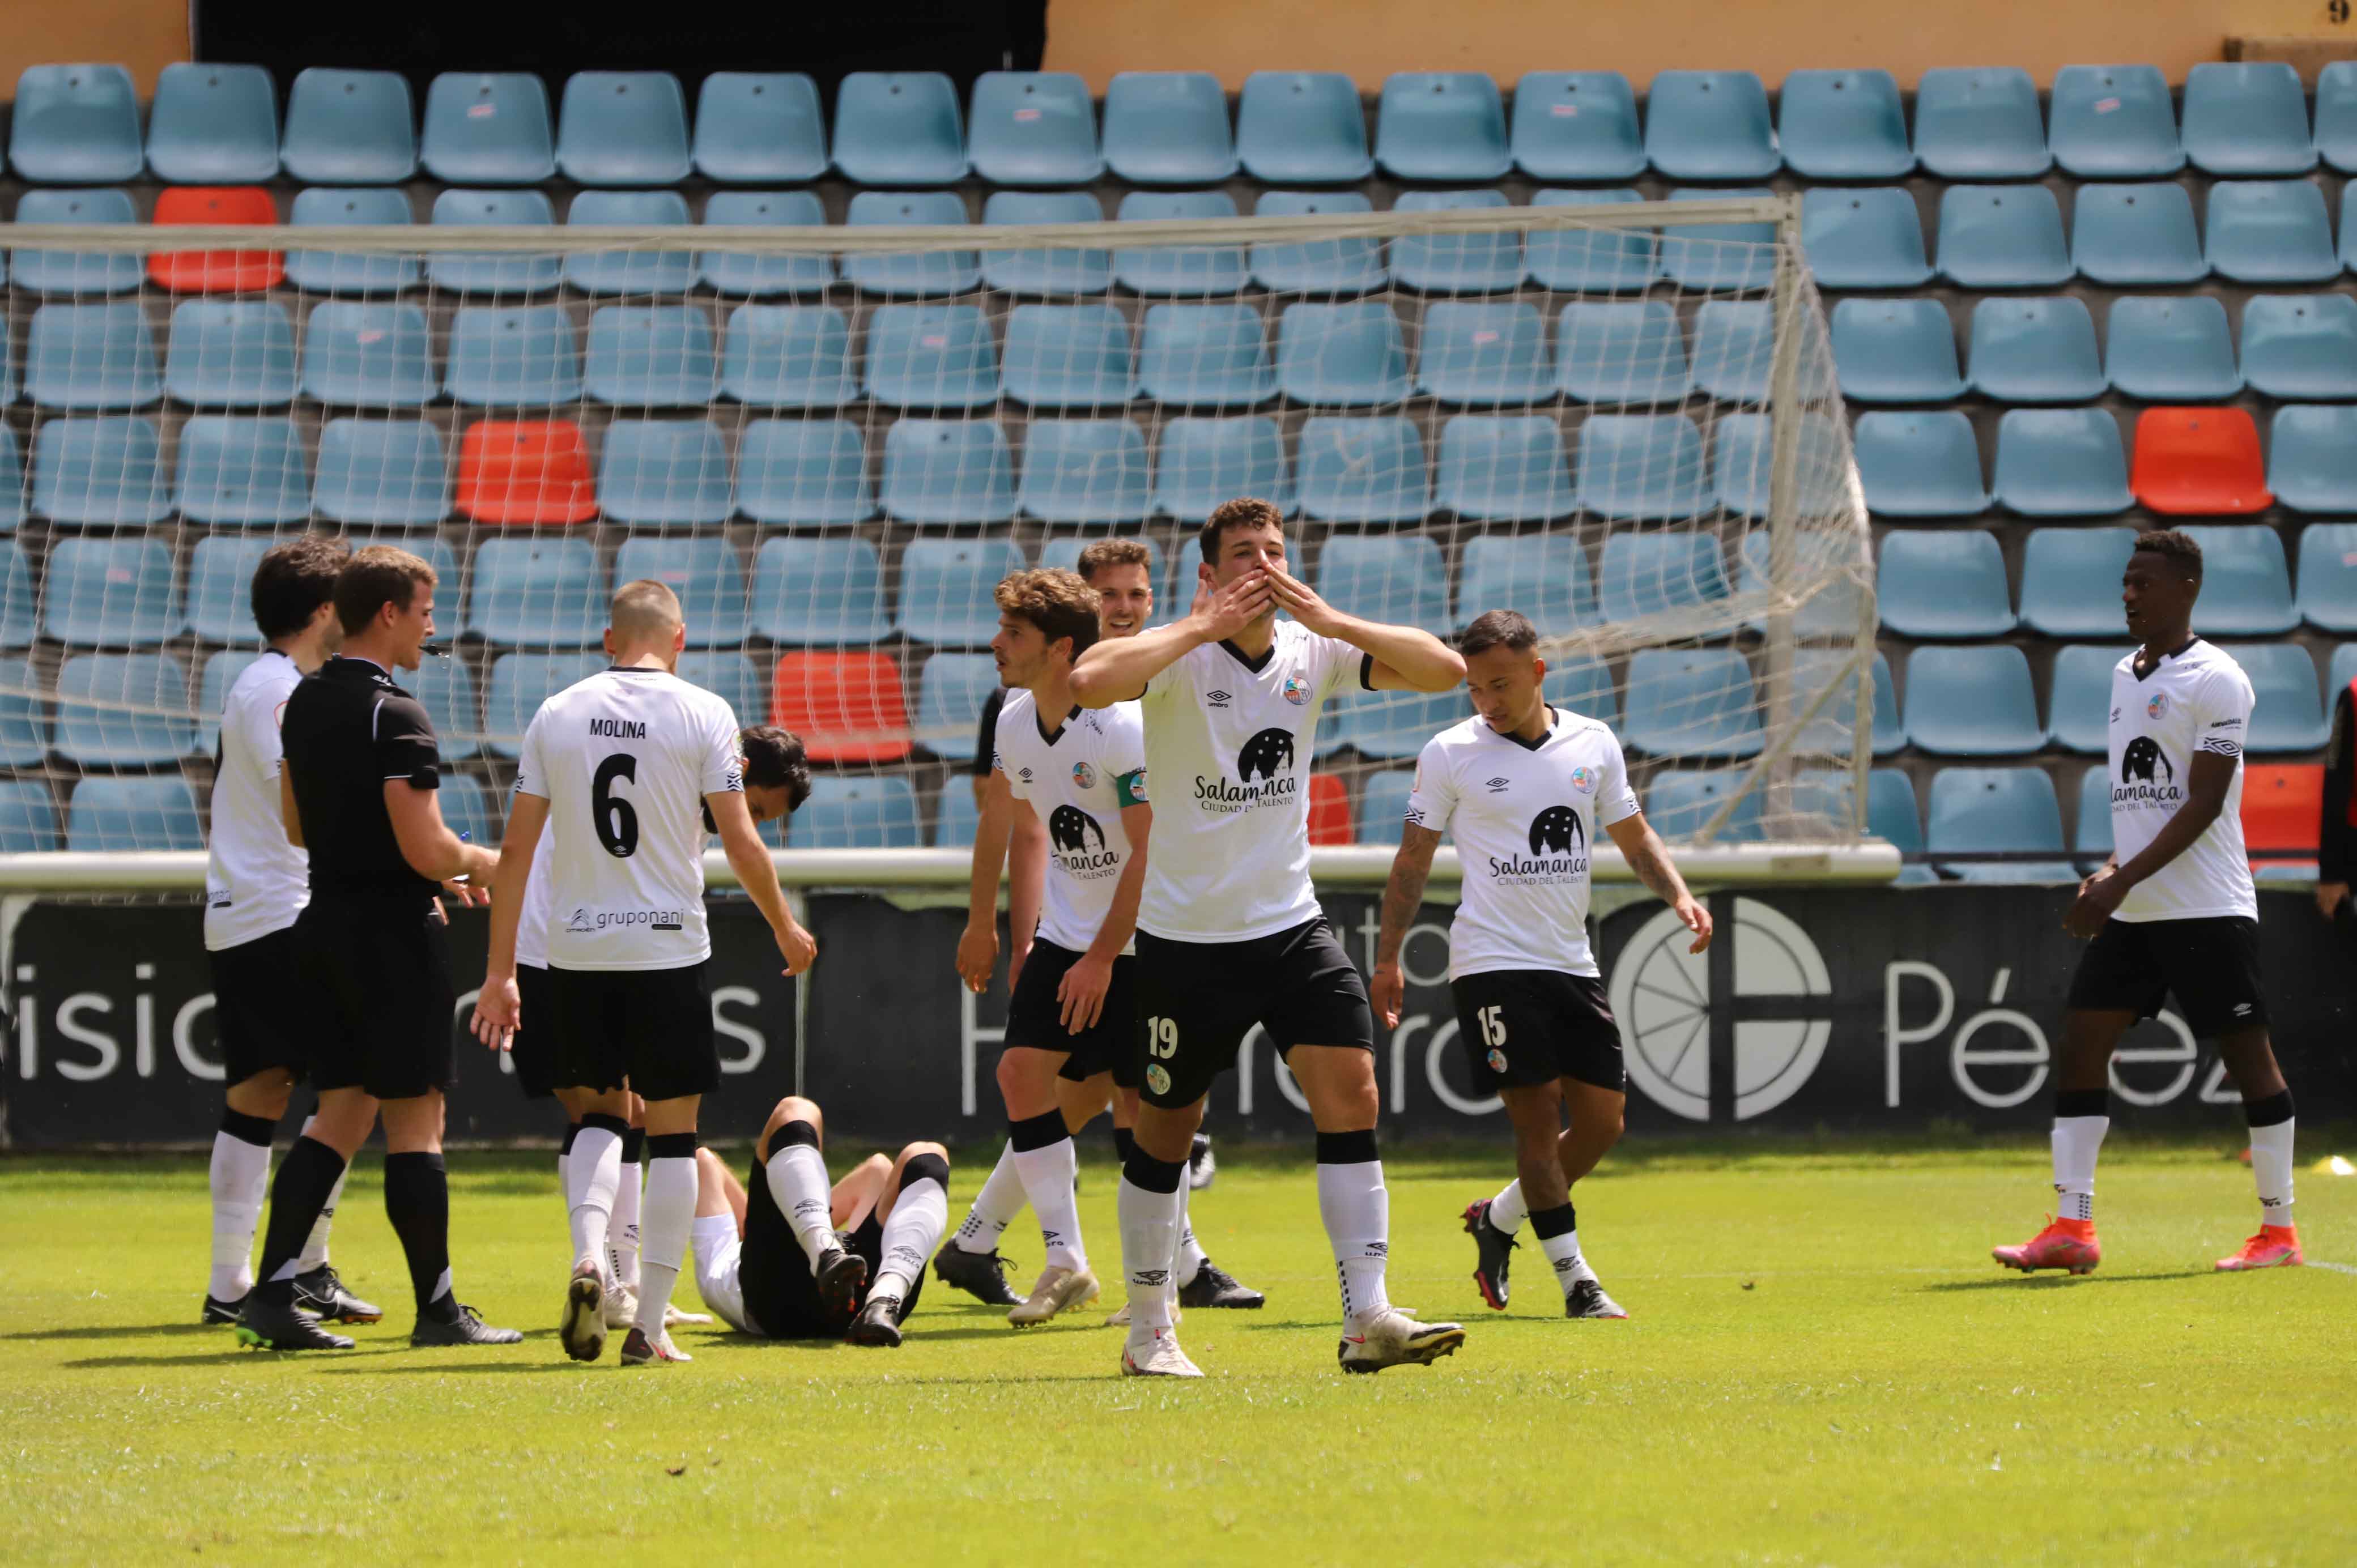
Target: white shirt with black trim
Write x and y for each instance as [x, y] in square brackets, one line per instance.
[1526, 816]
[1077, 779]
[624, 760]
[255, 881]
[532, 925]
[2195, 700]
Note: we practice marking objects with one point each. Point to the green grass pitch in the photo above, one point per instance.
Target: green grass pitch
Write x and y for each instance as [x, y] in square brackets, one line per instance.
[1823, 1366]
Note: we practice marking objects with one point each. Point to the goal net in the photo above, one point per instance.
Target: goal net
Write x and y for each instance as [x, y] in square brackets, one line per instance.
[1619, 420]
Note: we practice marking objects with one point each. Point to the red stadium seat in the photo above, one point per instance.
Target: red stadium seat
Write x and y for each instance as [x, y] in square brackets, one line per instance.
[1330, 810]
[2199, 462]
[525, 472]
[2282, 804]
[846, 707]
[216, 271]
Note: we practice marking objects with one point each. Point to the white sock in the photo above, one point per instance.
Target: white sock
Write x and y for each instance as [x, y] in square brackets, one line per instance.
[622, 1235]
[1563, 1253]
[797, 1177]
[565, 1187]
[994, 1207]
[1187, 1262]
[595, 1174]
[911, 1232]
[1507, 1211]
[1149, 1234]
[2271, 1169]
[241, 1183]
[314, 1247]
[668, 1215]
[1047, 1174]
[2077, 1141]
[1357, 1210]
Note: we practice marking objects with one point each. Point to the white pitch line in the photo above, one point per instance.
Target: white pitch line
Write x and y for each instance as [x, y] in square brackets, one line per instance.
[2336, 1268]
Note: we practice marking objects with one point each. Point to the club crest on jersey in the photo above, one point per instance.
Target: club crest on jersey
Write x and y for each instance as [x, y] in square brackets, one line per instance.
[1497, 1059]
[1084, 776]
[2157, 707]
[1296, 690]
[1157, 1077]
[1583, 779]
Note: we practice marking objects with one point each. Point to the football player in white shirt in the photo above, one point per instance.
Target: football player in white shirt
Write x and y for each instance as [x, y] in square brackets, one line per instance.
[1229, 930]
[622, 768]
[2173, 911]
[1525, 786]
[256, 882]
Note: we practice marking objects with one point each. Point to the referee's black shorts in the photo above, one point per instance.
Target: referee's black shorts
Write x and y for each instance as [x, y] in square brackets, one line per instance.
[377, 971]
[651, 1028]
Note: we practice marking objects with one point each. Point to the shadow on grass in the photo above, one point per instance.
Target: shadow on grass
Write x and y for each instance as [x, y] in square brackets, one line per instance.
[224, 1357]
[441, 1369]
[127, 1331]
[2059, 1281]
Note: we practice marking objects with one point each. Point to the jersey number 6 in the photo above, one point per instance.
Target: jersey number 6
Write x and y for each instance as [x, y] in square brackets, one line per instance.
[615, 820]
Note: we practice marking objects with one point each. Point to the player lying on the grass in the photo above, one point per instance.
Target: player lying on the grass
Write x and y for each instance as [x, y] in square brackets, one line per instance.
[1523, 786]
[1230, 932]
[786, 1255]
[2172, 911]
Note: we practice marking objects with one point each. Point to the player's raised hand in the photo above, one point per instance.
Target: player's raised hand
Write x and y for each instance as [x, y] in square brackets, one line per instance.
[1301, 601]
[797, 947]
[499, 1013]
[1387, 993]
[1082, 992]
[1696, 917]
[1236, 606]
[977, 955]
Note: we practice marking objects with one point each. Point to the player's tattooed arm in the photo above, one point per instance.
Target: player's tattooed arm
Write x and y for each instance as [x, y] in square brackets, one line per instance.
[1403, 896]
[2207, 781]
[1649, 862]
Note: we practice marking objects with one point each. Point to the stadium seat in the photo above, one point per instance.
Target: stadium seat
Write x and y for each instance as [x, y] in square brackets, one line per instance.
[1833, 611]
[1456, 263]
[221, 581]
[1734, 351]
[792, 355]
[1396, 578]
[1743, 462]
[2282, 803]
[1065, 356]
[2079, 707]
[1943, 585]
[1896, 350]
[241, 473]
[99, 472]
[1084, 470]
[729, 675]
[2136, 235]
[1168, 127]
[1619, 352]
[956, 817]
[231, 354]
[530, 473]
[819, 592]
[1585, 686]
[1200, 463]
[112, 815]
[2341, 670]
[623, 127]
[1725, 258]
[110, 593]
[1205, 356]
[1181, 272]
[545, 593]
[213, 124]
[91, 356]
[754, 128]
[951, 691]
[1441, 125]
[12, 483]
[854, 811]
[702, 571]
[383, 472]
[2114, 121]
[1831, 732]
[1342, 356]
[124, 710]
[1681, 802]
[1544, 575]
[2312, 459]
[664, 473]
[2071, 581]
[1061, 271]
[899, 127]
[2002, 236]
[362, 355]
[1574, 261]
[1864, 239]
[1389, 726]
[2270, 232]
[1034, 127]
[494, 272]
[74, 272]
[1641, 467]
[487, 130]
[1484, 354]
[1330, 810]
[515, 356]
[1576, 125]
[1302, 127]
[1980, 123]
[1972, 701]
[1505, 468]
[2034, 350]
[2063, 462]
[76, 124]
[633, 271]
[2093, 839]
[1709, 126]
[1330, 267]
[2164, 349]
[518, 685]
[2286, 715]
[807, 473]
[650, 356]
[764, 274]
[1362, 470]
[1646, 573]
[1691, 703]
[2246, 584]
[220, 672]
[2198, 461]
[1843, 124]
[912, 274]
[1891, 815]
[464, 811]
[2301, 345]
[2336, 114]
[1984, 811]
[2328, 576]
[846, 707]
[2247, 119]
[350, 127]
[1383, 806]
[948, 470]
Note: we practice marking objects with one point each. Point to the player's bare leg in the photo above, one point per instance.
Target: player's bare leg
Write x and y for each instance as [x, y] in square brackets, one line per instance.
[1039, 1141]
[1562, 1130]
[2250, 1060]
[2081, 1118]
[912, 1203]
[667, 1214]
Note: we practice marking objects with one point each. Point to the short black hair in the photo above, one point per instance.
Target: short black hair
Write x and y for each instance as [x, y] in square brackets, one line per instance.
[2173, 544]
[775, 756]
[293, 581]
[1497, 628]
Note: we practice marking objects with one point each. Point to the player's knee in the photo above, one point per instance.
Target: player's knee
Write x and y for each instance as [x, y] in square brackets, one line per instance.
[795, 1121]
[925, 1161]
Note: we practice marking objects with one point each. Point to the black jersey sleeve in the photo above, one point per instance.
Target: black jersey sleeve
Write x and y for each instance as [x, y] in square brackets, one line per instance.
[403, 738]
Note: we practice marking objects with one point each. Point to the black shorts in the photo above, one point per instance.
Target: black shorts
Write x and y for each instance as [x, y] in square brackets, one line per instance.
[377, 974]
[532, 1050]
[1198, 1001]
[1035, 1017]
[262, 1015]
[1522, 1027]
[651, 1028]
[2211, 965]
[774, 1276]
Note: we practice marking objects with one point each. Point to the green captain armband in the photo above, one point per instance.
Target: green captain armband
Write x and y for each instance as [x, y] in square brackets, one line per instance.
[1129, 789]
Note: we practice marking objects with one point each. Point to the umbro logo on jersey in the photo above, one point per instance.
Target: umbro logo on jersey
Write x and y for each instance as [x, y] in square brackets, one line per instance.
[1024, 774]
[1216, 698]
[1497, 786]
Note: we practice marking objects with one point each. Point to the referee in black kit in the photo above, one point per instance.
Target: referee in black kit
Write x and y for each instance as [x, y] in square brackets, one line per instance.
[359, 793]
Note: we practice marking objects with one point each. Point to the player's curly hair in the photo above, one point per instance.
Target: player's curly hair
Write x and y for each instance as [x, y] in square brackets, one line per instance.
[1054, 600]
[775, 756]
[1245, 511]
[1107, 552]
[293, 581]
[1497, 628]
[2174, 545]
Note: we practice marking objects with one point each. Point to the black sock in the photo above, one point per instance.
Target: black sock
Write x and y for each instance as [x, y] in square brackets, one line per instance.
[417, 1201]
[1124, 1144]
[305, 1178]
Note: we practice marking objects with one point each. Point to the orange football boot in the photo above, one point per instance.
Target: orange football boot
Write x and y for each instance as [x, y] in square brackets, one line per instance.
[2063, 1245]
[2275, 1247]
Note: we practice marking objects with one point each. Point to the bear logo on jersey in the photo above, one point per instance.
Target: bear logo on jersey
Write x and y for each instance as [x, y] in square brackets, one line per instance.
[1069, 828]
[2142, 759]
[1267, 754]
[1557, 828]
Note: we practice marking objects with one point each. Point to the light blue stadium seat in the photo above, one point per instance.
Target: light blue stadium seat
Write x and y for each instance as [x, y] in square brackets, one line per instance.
[1205, 356]
[1456, 263]
[664, 473]
[1068, 356]
[74, 272]
[899, 127]
[704, 573]
[1084, 470]
[448, 689]
[1980, 123]
[518, 685]
[1972, 701]
[1340, 267]
[1168, 127]
[1943, 585]
[956, 817]
[514, 356]
[1061, 271]
[1890, 811]
[1180, 271]
[911, 274]
[20, 614]
[99, 472]
[1896, 350]
[351, 272]
[948, 470]
[2312, 459]
[623, 127]
[931, 355]
[753, 127]
[12, 483]
[91, 356]
[2287, 714]
[1979, 811]
[1199, 463]
[124, 710]
[803, 473]
[2328, 576]
[2114, 121]
[1484, 354]
[2246, 582]
[2078, 710]
[213, 124]
[2136, 235]
[544, 593]
[1734, 353]
[28, 820]
[2071, 581]
[1441, 125]
[763, 276]
[1641, 467]
[2173, 350]
[855, 812]
[1644, 574]
[1342, 356]
[2301, 345]
[220, 672]
[241, 473]
[652, 356]
[1576, 261]
[385, 471]
[1619, 352]
[1396, 578]
[2246, 120]
[1831, 732]
[2060, 462]
[630, 272]
[945, 589]
[368, 355]
[1034, 127]
[1720, 258]
[466, 812]
[221, 581]
[1691, 703]
[1383, 806]
[951, 691]
[2270, 231]
[76, 124]
[729, 675]
[1585, 687]
[494, 272]
[819, 592]
[112, 815]
[1505, 468]
[1544, 575]
[1576, 125]
[350, 127]
[788, 356]
[1362, 470]
[2342, 670]
[1302, 127]
[2034, 350]
[1389, 727]
[2093, 839]
[487, 130]
[2002, 236]
[2336, 115]
[1681, 802]
[1743, 462]
[116, 592]
[231, 353]
[1864, 239]
[1843, 124]
[1709, 126]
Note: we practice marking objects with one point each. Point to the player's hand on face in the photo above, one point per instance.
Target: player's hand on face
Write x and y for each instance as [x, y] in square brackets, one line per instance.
[1388, 993]
[1696, 917]
[977, 955]
[1240, 602]
[1081, 993]
[2098, 896]
[798, 948]
[1302, 602]
[2329, 896]
[499, 1012]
